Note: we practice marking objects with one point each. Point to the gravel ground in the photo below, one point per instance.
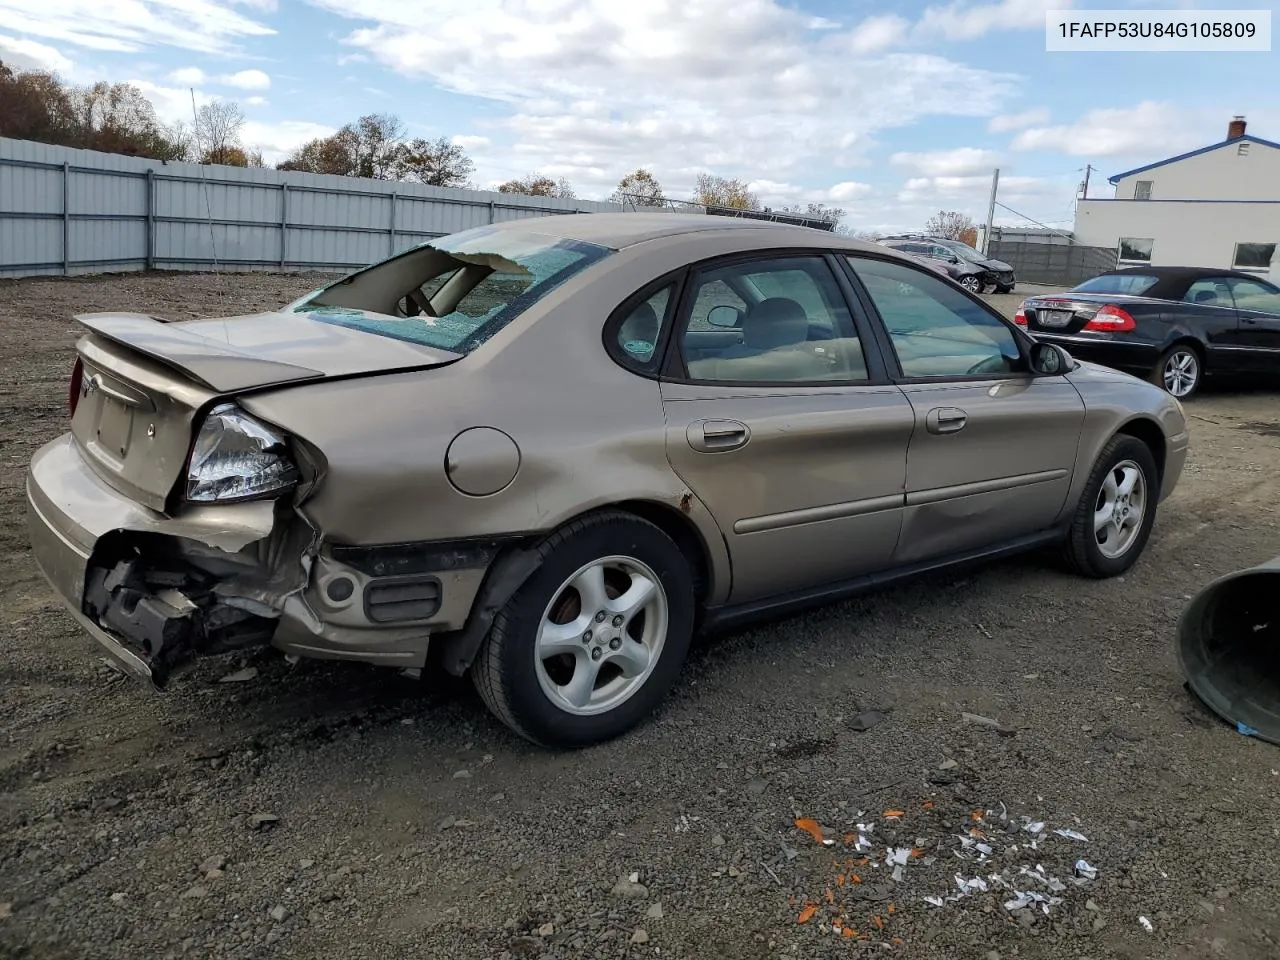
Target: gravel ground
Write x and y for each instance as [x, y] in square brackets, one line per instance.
[334, 811]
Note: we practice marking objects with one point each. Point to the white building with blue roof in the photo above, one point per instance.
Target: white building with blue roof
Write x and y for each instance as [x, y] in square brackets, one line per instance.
[1218, 206]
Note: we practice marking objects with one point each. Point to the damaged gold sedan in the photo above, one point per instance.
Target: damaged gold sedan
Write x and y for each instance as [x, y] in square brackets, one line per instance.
[548, 452]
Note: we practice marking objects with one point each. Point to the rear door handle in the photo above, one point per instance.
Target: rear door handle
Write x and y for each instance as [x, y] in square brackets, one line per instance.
[712, 436]
[945, 420]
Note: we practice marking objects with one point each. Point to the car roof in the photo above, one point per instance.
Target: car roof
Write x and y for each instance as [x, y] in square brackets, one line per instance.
[620, 230]
[1179, 273]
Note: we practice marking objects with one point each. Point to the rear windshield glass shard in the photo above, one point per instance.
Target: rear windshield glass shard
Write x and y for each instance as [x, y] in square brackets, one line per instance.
[453, 293]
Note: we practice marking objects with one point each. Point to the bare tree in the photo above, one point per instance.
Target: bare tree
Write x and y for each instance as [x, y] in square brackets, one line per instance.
[640, 189]
[439, 163]
[816, 211]
[951, 224]
[379, 139]
[118, 118]
[714, 191]
[538, 185]
[217, 133]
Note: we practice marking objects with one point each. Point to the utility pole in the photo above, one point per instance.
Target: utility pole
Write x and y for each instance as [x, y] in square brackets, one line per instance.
[991, 213]
[1088, 168]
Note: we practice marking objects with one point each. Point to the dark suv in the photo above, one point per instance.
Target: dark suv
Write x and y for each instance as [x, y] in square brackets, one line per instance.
[965, 265]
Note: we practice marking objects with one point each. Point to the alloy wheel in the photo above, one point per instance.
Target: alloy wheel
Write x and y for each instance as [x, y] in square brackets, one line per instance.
[1121, 505]
[601, 635]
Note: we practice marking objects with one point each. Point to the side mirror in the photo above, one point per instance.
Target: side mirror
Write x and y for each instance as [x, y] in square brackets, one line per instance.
[1050, 360]
[724, 316]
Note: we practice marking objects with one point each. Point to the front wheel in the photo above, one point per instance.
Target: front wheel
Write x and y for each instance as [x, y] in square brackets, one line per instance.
[972, 284]
[595, 638]
[1115, 514]
[1179, 371]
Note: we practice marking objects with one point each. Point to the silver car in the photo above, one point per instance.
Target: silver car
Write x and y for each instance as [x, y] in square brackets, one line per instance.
[550, 452]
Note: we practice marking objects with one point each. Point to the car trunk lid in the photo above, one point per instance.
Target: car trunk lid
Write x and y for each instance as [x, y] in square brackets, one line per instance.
[144, 382]
[1067, 313]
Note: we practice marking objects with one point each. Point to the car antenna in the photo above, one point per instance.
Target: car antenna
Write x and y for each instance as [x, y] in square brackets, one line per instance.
[208, 206]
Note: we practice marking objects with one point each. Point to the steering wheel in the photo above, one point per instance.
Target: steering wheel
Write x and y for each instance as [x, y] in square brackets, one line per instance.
[992, 364]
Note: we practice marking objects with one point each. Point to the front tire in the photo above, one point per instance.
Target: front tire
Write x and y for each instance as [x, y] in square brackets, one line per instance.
[1180, 371]
[972, 284]
[595, 638]
[1115, 514]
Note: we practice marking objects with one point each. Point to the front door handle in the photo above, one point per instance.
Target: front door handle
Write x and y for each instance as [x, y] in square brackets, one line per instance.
[712, 436]
[945, 420]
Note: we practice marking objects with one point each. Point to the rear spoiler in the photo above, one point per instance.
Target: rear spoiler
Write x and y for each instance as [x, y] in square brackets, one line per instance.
[219, 367]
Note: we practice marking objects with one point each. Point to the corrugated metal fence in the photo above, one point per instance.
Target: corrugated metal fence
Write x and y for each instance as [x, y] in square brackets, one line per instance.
[65, 211]
[1062, 265]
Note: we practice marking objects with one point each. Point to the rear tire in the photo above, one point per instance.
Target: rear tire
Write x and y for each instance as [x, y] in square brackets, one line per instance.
[570, 660]
[1115, 514]
[1180, 371]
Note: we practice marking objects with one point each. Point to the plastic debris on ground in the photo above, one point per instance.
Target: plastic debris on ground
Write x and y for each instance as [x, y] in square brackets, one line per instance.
[1146, 925]
[900, 851]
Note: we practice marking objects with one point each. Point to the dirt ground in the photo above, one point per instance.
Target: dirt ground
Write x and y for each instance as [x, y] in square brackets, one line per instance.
[412, 824]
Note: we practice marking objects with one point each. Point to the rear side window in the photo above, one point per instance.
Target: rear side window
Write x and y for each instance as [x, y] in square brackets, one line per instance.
[637, 336]
[1132, 284]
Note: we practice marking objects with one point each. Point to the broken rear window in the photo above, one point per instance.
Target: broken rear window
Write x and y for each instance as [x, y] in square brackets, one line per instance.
[453, 293]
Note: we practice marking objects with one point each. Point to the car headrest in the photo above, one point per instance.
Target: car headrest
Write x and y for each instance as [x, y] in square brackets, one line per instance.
[1206, 296]
[775, 322]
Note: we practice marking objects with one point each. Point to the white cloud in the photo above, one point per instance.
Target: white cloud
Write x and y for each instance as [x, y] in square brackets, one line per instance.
[877, 33]
[173, 104]
[747, 88]
[29, 55]
[1149, 128]
[277, 140]
[470, 142]
[849, 190]
[189, 75]
[256, 101]
[129, 26]
[961, 20]
[960, 162]
[1008, 122]
[247, 80]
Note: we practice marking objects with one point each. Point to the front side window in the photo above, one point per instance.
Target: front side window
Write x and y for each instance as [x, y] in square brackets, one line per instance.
[780, 320]
[1255, 296]
[937, 331]
[453, 293]
[1254, 256]
[1136, 249]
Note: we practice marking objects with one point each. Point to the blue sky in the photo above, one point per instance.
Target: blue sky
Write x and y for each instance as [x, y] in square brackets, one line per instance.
[889, 110]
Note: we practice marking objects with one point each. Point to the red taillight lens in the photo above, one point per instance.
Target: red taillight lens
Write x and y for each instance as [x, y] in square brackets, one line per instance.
[73, 392]
[1020, 318]
[1111, 319]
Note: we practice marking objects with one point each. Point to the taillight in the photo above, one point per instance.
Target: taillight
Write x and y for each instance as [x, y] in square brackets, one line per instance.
[1020, 318]
[1111, 319]
[73, 392]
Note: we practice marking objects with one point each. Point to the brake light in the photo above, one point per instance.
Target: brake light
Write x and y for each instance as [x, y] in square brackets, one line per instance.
[1111, 319]
[73, 392]
[1020, 318]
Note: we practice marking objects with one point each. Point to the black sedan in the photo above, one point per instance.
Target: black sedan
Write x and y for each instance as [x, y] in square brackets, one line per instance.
[1172, 325]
